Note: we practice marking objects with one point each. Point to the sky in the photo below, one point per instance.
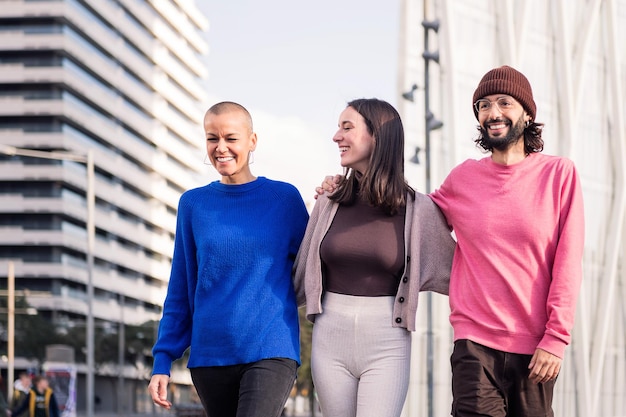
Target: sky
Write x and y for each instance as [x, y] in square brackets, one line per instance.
[294, 65]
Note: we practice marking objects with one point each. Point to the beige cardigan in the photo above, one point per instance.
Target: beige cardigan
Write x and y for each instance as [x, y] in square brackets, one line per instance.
[428, 244]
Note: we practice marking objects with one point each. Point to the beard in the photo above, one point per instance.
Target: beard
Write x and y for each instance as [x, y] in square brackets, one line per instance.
[516, 132]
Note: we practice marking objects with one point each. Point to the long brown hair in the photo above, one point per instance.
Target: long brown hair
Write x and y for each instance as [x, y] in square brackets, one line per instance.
[383, 183]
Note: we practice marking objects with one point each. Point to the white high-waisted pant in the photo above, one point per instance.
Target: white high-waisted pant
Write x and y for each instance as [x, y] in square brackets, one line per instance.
[360, 363]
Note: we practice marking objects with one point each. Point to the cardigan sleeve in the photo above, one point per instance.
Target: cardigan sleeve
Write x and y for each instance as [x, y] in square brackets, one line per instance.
[430, 249]
[308, 265]
[437, 248]
[299, 266]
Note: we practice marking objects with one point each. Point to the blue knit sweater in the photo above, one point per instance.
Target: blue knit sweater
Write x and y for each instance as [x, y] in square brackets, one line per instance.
[230, 294]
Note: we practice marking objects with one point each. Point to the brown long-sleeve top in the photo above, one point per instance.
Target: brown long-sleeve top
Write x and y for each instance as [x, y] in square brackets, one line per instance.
[356, 264]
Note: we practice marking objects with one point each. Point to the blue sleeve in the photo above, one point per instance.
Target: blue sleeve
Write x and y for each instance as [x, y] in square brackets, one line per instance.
[300, 220]
[174, 336]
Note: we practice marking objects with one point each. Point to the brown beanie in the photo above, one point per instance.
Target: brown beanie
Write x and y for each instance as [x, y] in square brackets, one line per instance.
[506, 80]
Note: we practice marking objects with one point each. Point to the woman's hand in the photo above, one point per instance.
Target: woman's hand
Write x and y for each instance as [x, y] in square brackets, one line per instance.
[158, 390]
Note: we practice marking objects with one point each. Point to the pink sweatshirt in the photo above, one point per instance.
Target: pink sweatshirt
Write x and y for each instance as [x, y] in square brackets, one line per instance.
[517, 267]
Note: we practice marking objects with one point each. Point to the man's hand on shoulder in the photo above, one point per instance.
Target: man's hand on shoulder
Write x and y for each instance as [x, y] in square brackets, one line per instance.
[329, 185]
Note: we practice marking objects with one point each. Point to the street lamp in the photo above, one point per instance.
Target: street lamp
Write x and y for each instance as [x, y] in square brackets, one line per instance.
[11, 327]
[91, 237]
[431, 123]
[410, 95]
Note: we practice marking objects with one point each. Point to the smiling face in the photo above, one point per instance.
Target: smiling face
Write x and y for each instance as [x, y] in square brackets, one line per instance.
[355, 142]
[503, 125]
[229, 141]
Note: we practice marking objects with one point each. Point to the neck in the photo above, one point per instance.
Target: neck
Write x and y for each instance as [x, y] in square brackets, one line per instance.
[511, 155]
[239, 178]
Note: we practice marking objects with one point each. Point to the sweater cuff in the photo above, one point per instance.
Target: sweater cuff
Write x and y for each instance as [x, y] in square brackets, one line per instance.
[553, 345]
[162, 364]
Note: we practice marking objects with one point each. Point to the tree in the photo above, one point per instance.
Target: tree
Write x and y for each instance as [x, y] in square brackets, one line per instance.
[138, 342]
[304, 384]
[32, 332]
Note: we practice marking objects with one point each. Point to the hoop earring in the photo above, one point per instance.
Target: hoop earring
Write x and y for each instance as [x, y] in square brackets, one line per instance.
[251, 158]
[206, 160]
[528, 123]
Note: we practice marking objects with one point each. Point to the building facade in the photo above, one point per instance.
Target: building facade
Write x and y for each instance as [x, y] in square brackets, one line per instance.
[122, 79]
[574, 57]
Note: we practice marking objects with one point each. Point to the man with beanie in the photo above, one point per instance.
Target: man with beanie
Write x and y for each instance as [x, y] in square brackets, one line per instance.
[518, 218]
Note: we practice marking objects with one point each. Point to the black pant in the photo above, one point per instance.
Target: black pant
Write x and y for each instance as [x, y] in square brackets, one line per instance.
[489, 382]
[258, 389]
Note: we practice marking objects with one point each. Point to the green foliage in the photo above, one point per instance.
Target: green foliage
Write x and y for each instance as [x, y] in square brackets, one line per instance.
[304, 382]
[32, 332]
[138, 342]
[32, 335]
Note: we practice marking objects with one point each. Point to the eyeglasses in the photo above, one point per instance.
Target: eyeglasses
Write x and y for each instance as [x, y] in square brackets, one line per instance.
[503, 104]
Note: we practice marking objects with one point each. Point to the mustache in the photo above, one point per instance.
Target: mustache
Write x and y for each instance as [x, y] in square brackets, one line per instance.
[499, 120]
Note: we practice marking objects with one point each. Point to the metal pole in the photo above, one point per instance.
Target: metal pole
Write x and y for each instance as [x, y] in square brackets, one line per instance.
[11, 329]
[121, 346]
[91, 237]
[12, 150]
[429, 295]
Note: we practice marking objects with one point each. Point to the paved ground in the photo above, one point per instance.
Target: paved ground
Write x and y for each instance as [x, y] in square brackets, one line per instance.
[163, 413]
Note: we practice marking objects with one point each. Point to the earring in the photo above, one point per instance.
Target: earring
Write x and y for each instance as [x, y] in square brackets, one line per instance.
[528, 122]
[207, 161]
[251, 158]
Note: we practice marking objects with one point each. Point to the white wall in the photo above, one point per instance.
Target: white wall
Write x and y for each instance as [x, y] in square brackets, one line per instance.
[574, 56]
